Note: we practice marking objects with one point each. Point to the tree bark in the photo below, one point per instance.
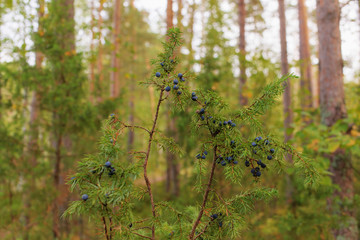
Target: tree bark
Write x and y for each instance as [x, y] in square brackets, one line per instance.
[115, 63]
[131, 134]
[191, 33]
[65, 12]
[332, 106]
[100, 51]
[305, 60]
[288, 113]
[32, 145]
[243, 100]
[92, 61]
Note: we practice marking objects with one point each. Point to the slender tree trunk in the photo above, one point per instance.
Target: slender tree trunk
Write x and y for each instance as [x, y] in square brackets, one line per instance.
[92, 60]
[131, 134]
[172, 184]
[288, 114]
[66, 13]
[115, 62]
[332, 106]
[100, 51]
[32, 145]
[191, 32]
[242, 53]
[305, 60]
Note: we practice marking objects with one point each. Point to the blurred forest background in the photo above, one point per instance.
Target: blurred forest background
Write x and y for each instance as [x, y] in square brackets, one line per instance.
[66, 65]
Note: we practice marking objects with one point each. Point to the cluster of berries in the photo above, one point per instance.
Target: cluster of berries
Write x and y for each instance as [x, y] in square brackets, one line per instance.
[217, 216]
[224, 160]
[167, 67]
[203, 155]
[201, 113]
[176, 84]
[260, 145]
[194, 97]
[110, 168]
[226, 123]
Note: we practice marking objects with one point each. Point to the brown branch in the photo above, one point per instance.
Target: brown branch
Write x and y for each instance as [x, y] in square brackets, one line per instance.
[141, 235]
[105, 228]
[147, 181]
[206, 194]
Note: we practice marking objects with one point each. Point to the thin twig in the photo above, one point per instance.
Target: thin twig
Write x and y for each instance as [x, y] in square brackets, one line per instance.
[105, 228]
[206, 194]
[141, 235]
[147, 181]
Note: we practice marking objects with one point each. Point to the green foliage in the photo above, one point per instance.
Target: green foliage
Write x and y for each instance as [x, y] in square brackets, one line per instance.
[110, 189]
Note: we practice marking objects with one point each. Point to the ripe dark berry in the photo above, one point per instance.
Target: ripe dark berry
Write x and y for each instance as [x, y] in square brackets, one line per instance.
[247, 163]
[263, 165]
[258, 173]
[259, 162]
[108, 164]
[179, 93]
[193, 94]
[168, 88]
[272, 150]
[225, 122]
[232, 142]
[235, 162]
[198, 156]
[162, 64]
[269, 157]
[253, 170]
[175, 87]
[130, 225]
[157, 74]
[233, 125]
[202, 117]
[182, 79]
[253, 144]
[172, 61]
[214, 121]
[203, 156]
[267, 142]
[84, 197]
[209, 117]
[176, 81]
[194, 98]
[259, 138]
[202, 111]
[220, 123]
[205, 152]
[214, 216]
[220, 224]
[180, 75]
[223, 163]
[254, 151]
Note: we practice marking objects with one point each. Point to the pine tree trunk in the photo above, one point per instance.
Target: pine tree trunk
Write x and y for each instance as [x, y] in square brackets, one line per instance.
[305, 60]
[131, 134]
[332, 106]
[191, 33]
[66, 12]
[288, 114]
[32, 145]
[242, 79]
[170, 157]
[100, 51]
[115, 63]
[92, 61]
